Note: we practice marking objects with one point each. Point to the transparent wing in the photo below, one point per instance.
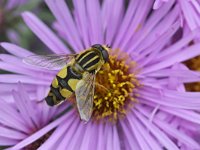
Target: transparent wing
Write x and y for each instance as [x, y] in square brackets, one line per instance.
[51, 62]
[84, 96]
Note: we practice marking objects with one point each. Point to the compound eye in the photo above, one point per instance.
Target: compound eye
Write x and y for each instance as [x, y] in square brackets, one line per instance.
[105, 55]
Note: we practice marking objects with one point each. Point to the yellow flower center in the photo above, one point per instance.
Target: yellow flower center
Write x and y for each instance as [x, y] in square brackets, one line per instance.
[115, 85]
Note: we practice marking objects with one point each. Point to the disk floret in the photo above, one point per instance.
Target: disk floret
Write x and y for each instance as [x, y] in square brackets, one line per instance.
[115, 85]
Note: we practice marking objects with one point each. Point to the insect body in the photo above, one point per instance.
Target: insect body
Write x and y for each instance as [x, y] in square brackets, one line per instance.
[77, 76]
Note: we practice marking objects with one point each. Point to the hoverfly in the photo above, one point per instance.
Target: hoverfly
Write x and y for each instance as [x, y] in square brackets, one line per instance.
[77, 76]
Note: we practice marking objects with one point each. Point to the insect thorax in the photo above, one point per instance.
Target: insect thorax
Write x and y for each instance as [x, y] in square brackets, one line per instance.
[89, 60]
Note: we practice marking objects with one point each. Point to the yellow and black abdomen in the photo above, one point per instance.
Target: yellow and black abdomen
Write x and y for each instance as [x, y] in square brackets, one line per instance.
[62, 86]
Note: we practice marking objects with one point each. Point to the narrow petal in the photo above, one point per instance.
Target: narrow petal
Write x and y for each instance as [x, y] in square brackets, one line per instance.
[189, 14]
[169, 129]
[64, 123]
[157, 133]
[148, 28]
[95, 23]
[22, 109]
[151, 141]
[184, 55]
[176, 47]
[116, 140]
[184, 114]
[63, 16]
[143, 9]
[5, 78]
[68, 135]
[129, 137]
[127, 19]
[80, 13]
[7, 141]
[77, 136]
[100, 137]
[44, 33]
[112, 13]
[140, 139]
[16, 50]
[153, 50]
[18, 63]
[167, 26]
[160, 97]
[39, 133]
[12, 134]
[157, 4]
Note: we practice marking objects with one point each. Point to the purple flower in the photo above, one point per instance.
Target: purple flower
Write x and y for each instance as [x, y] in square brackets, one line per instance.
[144, 104]
[24, 117]
[189, 13]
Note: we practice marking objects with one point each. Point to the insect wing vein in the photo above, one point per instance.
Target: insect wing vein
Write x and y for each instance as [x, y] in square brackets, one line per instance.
[51, 62]
[84, 96]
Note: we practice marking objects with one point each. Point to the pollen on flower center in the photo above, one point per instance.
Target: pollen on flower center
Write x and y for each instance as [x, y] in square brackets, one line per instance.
[115, 84]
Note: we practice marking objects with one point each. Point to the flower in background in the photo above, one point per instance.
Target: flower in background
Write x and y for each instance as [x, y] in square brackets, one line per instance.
[189, 12]
[11, 26]
[144, 104]
[7, 15]
[24, 117]
[193, 64]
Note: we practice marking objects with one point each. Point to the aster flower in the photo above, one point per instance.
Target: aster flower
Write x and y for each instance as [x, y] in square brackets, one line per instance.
[23, 117]
[146, 105]
[189, 11]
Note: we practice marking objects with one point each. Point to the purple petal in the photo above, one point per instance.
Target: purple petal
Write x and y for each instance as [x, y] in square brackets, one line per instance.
[9, 78]
[167, 26]
[64, 123]
[16, 50]
[100, 137]
[127, 19]
[184, 55]
[129, 137]
[190, 15]
[140, 139]
[80, 13]
[157, 133]
[153, 50]
[68, 134]
[169, 129]
[95, 23]
[150, 140]
[44, 33]
[157, 4]
[63, 16]
[40, 133]
[18, 63]
[7, 141]
[150, 26]
[112, 13]
[12, 134]
[143, 9]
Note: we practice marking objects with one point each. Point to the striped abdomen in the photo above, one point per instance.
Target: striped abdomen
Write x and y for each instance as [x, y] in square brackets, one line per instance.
[63, 86]
[88, 60]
